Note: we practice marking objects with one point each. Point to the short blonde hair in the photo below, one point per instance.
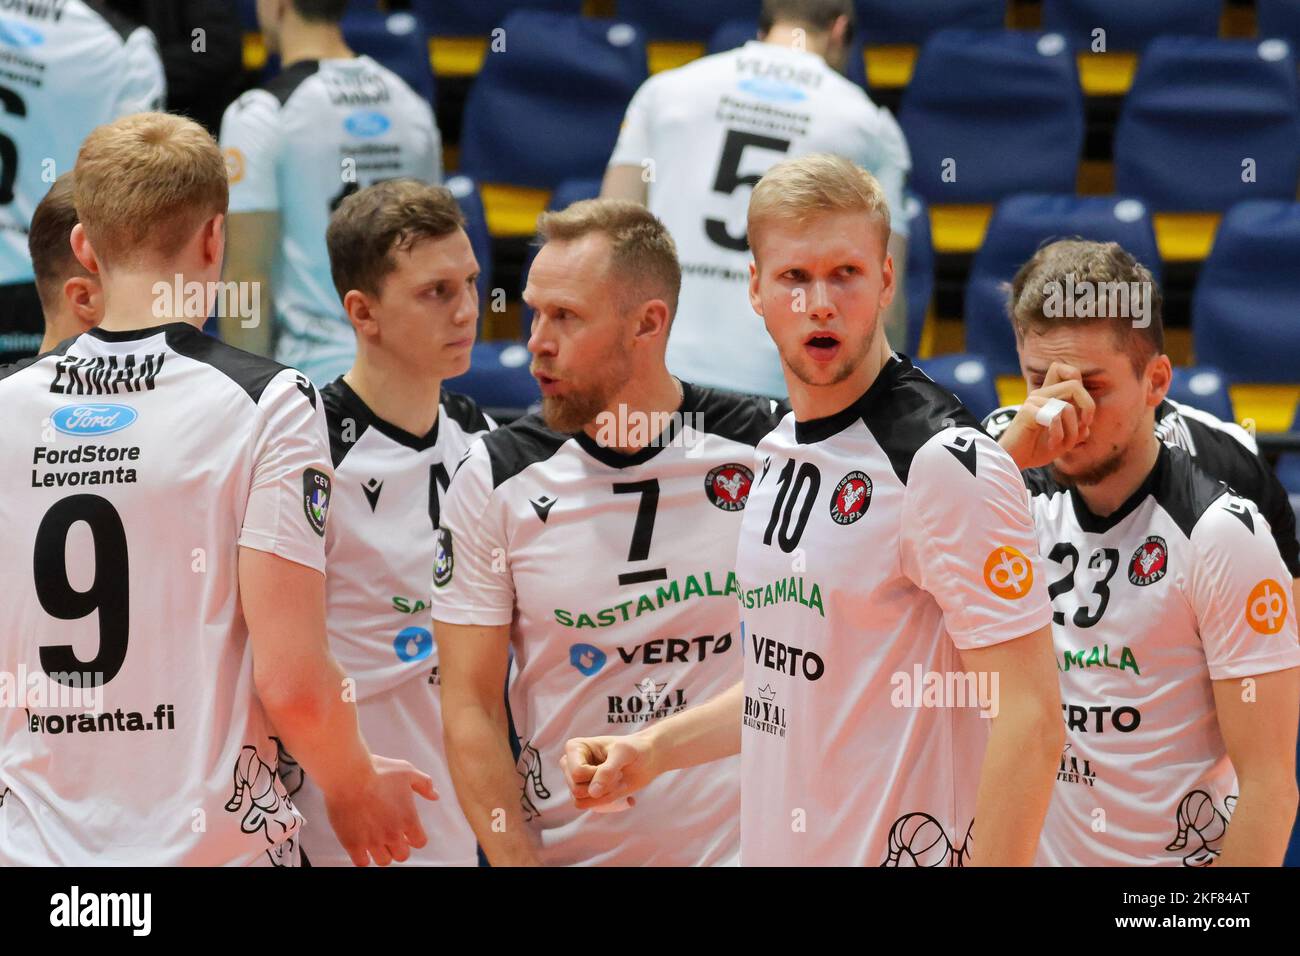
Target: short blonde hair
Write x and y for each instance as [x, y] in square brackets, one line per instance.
[145, 183]
[818, 183]
[643, 255]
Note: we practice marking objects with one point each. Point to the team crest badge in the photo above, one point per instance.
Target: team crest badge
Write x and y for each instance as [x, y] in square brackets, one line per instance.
[851, 499]
[316, 498]
[443, 559]
[1150, 562]
[728, 486]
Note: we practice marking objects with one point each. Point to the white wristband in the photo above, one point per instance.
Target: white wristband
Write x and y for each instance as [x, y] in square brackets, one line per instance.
[1050, 412]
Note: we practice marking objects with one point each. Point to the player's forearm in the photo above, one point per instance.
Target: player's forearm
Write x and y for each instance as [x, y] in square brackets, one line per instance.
[700, 734]
[1016, 785]
[316, 724]
[1261, 823]
[487, 785]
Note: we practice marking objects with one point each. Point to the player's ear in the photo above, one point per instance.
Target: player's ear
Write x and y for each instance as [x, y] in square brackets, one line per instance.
[85, 297]
[653, 319]
[1160, 375]
[214, 240]
[81, 248]
[754, 299]
[887, 284]
[361, 313]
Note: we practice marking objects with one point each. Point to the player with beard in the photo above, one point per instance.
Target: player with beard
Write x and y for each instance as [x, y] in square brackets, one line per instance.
[598, 539]
[1173, 631]
[887, 545]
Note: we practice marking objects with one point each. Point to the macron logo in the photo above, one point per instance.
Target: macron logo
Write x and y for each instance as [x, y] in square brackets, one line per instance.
[133, 910]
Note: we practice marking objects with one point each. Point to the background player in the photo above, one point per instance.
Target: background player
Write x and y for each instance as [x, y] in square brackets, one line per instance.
[1179, 659]
[78, 64]
[71, 298]
[330, 123]
[1223, 449]
[168, 554]
[704, 133]
[886, 538]
[405, 271]
[599, 539]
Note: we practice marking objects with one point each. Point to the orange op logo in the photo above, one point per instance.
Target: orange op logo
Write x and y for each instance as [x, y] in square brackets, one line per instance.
[1008, 573]
[1266, 607]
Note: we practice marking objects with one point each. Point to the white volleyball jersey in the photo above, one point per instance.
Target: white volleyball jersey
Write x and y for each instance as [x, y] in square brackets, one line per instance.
[380, 548]
[140, 463]
[1181, 586]
[1223, 449]
[66, 66]
[705, 133]
[616, 574]
[315, 134]
[878, 542]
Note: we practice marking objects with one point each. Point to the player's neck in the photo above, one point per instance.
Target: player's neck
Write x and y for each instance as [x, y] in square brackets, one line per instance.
[145, 300]
[1105, 497]
[795, 37]
[820, 401]
[409, 402]
[313, 41]
[643, 401]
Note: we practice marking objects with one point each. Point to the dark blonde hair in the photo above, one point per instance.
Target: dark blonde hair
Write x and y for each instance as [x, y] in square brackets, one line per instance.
[642, 253]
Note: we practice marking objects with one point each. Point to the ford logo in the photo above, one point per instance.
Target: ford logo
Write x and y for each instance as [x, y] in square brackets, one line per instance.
[19, 35]
[367, 124]
[93, 419]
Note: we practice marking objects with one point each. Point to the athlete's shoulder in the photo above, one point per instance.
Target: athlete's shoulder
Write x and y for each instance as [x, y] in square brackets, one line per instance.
[1200, 424]
[524, 442]
[344, 421]
[120, 24]
[1184, 489]
[252, 373]
[747, 419]
[464, 411]
[905, 409]
[289, 81]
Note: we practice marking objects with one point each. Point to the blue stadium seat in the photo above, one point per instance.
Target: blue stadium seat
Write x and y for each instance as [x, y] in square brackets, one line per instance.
[732, 34]
[1020, 225]
[1279, 18]
[735, 33]
[1244, 307]
[468, 18]
[550, 105]
[471, 206]
[911, 21]
[967, 377]
[1197, 109]
[498, 377]
[920, 271]
[396, 40]
[1205, 388]
[1004, 106]
[685, 19]
[1130, 25]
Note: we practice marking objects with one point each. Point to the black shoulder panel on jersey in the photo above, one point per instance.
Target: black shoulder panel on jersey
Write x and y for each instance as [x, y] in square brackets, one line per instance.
[1039, 481]
[523, 442]
[747, 419]
[464, 411]
[1184, 489]
[904, 409]
[338, 413]
[122, 25]
[283, 85]
[250, 372]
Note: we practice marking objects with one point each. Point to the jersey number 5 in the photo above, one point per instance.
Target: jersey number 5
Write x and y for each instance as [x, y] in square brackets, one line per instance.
[729, 180]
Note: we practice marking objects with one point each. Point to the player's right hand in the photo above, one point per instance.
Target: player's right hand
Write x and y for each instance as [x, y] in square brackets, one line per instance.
[377, 818]
[604, 771]
[1032, 444]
